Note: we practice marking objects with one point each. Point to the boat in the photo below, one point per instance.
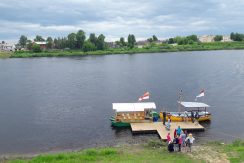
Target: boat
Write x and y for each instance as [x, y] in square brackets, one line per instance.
[192, 111]
[126, 113]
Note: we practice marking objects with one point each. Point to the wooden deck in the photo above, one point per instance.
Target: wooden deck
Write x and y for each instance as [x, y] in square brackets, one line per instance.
[160, 128]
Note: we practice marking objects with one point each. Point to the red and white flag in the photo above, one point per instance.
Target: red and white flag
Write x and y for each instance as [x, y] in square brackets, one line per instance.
[144, 97]
[200, 95]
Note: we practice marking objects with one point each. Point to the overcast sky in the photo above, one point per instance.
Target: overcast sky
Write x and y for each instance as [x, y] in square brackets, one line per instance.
[116, 18]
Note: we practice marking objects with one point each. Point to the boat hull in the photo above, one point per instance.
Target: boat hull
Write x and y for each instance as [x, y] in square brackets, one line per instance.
[182, 119]
[120, 124]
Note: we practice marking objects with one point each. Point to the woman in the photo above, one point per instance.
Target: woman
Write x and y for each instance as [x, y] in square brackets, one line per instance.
[168, 138]
[189, 140]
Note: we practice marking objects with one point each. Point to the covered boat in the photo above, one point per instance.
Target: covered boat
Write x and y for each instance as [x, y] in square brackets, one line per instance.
[192, 111]
[126, 113]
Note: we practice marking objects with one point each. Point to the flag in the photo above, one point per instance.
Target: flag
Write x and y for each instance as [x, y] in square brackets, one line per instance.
[200, 95]
[144, 97]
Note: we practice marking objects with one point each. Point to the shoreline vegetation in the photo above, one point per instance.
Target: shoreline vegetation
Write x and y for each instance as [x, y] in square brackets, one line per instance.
[151, 151]
[152, 48]
[77, 44]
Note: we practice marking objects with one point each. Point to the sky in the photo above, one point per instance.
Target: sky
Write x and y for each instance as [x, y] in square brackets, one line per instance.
[118, 18]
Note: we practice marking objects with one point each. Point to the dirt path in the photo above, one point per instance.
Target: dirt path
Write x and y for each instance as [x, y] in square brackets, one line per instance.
[207, 153]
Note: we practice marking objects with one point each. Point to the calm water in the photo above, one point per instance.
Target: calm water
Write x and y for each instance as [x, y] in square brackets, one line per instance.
[65, 103]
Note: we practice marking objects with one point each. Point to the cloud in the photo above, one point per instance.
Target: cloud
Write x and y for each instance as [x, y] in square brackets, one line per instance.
[116, 18]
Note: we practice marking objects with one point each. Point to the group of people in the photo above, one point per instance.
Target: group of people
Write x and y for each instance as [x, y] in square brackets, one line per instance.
[181, 139]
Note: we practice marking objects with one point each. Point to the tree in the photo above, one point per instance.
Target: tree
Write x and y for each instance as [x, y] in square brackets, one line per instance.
[39, 38]
[101, 42]
[22, 41]
[154, 38]
[29, 44]
[72, 41]
[36, 48]
[171, 41]
[131, 41]
[89, 46]
[49, 43]
[80, 38]
[122, 42]
[93, 38]
[218, 38]
[237, 36]
[193, 38]
[150, 40]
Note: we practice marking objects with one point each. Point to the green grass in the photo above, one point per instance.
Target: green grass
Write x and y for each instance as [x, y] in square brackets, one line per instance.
[235, 151]
[5, 54]
[148, 49]
[122, 154]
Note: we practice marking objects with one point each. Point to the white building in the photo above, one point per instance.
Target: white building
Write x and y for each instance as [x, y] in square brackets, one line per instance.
[6, 46]
[206, 38]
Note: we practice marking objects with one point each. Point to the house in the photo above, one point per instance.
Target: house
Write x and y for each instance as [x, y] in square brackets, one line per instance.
[141, 44]
[43, 44]
[6, 46]
[206, 38]
[226, 39]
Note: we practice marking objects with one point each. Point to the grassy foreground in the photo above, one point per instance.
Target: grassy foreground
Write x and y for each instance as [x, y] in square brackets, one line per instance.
[154, 151]
[152, 48]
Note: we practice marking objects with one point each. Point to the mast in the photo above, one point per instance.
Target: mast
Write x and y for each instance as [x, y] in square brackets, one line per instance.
[180, 100]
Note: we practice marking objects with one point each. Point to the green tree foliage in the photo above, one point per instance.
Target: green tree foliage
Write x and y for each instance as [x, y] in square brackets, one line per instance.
[150, 40]
[89, 46]
[29, 44]
[39, 38]
[101, 42]
[237, 36]
[218, 38]
[80, 38]
[93, 38]
[36, 48]
[171, 41]
[72, 41]
[49, 43]
[122, 41]
[22, 41]
[154, 38]
[192, 37]
[131, 41]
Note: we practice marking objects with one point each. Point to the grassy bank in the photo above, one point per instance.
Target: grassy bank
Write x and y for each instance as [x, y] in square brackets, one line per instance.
[153, 48]
[153, 151]
[5, 54]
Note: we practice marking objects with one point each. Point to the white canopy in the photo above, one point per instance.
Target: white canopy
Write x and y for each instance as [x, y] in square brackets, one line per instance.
[131, 107]
[194, 104]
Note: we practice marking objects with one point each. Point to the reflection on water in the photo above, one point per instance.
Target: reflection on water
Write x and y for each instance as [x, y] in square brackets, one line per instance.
[66, 103]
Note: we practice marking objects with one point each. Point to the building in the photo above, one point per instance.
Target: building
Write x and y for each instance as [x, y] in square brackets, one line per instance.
[141, 44]
[43, 44]
[206, 38]
[6, 46]
[226, 39]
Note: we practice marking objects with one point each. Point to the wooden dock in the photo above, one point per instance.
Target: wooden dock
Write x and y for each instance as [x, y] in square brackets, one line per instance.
[160, 128]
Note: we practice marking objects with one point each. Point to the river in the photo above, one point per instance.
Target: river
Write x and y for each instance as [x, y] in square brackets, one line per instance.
[49, 104]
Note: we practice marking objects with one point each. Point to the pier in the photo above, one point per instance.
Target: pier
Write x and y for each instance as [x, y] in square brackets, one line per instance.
[161, 130]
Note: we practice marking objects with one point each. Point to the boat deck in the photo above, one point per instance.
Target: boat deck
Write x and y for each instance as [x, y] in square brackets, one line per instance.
[160, 128]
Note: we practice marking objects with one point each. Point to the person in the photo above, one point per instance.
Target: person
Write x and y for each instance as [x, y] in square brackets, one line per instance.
[189, 140]
[183, 137]
[171, 147]
[175, 133]
[168, 138]
[176, 143]
[164, 117]
[178, 131]
[197, 117]
[185, 116]
[180, 142]
[192, 116]
[168, 125]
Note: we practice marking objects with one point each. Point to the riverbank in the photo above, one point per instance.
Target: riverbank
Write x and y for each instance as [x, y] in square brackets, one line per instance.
[152, 48]
[152, 151]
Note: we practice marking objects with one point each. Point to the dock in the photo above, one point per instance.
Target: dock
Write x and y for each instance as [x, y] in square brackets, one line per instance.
[161, 130]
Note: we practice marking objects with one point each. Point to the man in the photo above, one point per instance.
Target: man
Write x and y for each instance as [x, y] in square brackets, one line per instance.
[164, 117]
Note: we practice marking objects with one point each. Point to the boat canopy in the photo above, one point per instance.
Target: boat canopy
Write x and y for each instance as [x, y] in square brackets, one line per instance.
[133, 107]
[193, 104]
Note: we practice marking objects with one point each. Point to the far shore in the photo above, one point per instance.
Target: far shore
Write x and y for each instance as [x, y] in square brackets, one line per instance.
[149, 49]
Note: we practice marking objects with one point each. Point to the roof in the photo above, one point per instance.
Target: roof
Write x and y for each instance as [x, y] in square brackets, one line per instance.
[194, 104]
[130, 107]
[40, 42]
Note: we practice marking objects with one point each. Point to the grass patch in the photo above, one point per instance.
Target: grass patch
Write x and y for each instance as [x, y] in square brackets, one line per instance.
[235, 151]
[5, 54]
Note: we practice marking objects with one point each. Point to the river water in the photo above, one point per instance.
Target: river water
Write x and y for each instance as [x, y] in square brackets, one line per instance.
[51, 104]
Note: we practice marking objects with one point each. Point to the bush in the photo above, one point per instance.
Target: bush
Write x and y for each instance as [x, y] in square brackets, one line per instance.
[36, 48]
